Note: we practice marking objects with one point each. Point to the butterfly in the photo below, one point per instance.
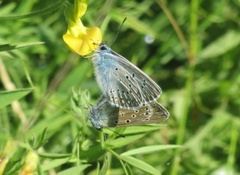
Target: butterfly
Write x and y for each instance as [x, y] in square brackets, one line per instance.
[104, 115]
[122, 83]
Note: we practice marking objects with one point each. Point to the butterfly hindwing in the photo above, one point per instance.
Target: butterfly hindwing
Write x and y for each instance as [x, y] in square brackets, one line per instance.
[102, 114]
[148, 113]
[105, 115]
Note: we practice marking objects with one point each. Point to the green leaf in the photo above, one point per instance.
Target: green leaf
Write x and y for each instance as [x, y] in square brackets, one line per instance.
[5, 47]
[53, 155]
[135, 129]
[54, 163]
[140, 164]
[105, 166]
[73, 170]
[116, 143]
[7, 97]
[228, 41]
[149, 149]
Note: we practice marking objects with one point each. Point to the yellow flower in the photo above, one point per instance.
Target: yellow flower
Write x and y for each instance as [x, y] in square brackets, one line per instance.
[30, 165]
[6, 154]
[79, 38]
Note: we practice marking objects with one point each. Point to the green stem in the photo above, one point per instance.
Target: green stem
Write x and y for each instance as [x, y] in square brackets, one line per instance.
[49, 9]
[193, 28]
[177, 29]
[190, 52]
[184, 114]
[232, 148]
[118, 157]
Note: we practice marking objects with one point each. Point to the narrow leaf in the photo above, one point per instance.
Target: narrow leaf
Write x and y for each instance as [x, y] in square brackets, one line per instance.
[149, 149]
[7, 97]
[140, 164]
[228, 41]
[74, 170]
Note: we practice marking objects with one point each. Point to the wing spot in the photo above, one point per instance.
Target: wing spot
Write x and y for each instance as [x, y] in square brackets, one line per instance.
[115, 99]
[127, 76]
[133, 75]
[147, 113]
[116, 69]
[147, 119]
[133, 115]
[127, 121]
[136, 111]
[115, 121]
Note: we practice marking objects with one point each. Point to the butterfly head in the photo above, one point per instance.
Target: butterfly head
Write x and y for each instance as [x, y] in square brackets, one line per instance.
[93, 116]
[103, 47]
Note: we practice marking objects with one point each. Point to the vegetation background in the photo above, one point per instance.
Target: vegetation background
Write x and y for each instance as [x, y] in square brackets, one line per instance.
[190, 48]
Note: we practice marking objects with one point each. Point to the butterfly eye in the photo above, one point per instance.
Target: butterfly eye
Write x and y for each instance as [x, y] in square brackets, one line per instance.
[103, 48]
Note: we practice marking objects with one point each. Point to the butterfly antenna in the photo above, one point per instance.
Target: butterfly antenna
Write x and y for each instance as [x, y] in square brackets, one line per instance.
[116, 133]
[119, 31]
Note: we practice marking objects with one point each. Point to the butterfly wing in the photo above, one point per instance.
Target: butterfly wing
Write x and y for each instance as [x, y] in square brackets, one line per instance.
[102, 114]
[105, 115]
[116, 83]
[150, 90]
[148, 113]
[121, 82]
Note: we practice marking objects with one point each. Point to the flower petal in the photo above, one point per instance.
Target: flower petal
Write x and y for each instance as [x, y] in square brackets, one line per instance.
[85, 43]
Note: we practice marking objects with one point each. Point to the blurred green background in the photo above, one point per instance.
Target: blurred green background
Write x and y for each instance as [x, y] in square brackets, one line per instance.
[190, 48]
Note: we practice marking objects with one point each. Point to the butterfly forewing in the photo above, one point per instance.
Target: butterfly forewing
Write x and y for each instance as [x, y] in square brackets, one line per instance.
[127, 90]
[150, 91]
[122, 83]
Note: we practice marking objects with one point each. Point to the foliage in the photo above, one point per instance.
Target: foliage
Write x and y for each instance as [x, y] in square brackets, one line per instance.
[189, 48]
